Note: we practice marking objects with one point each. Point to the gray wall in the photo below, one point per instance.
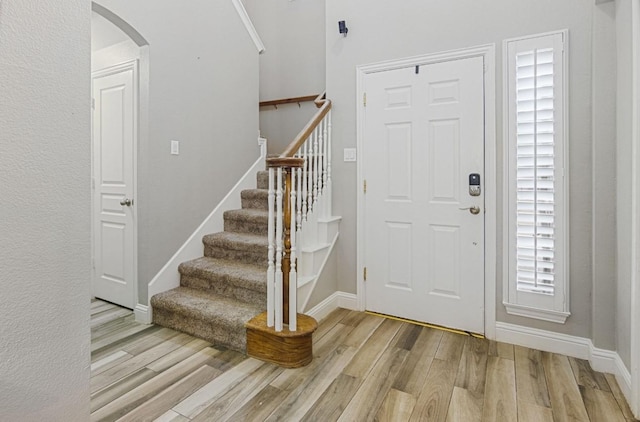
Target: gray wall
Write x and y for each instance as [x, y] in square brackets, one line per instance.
[623, 203]
[44, 210]
[104, 33]
[280, 126]
[292, 65]
[604, 175]
[381, 30]
[327, 282]
[203, 91]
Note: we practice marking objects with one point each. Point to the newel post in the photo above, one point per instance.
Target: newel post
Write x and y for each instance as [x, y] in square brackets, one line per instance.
[286, 258]
[287, 164]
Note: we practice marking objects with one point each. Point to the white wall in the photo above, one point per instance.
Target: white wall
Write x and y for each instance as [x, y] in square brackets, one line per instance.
[44, 210]
[203, 91]
[381, 30]
[623, 203]
[292, 65]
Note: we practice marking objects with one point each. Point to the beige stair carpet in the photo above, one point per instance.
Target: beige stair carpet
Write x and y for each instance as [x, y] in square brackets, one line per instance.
[225, 288]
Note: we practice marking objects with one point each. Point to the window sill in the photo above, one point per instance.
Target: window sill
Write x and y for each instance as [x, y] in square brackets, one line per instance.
[537, 313]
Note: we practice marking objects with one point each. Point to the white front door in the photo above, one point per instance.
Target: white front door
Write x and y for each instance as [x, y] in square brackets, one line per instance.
[423, 244]
[114, 143]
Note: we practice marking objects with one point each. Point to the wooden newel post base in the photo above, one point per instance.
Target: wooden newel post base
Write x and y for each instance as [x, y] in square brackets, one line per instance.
[290, 349]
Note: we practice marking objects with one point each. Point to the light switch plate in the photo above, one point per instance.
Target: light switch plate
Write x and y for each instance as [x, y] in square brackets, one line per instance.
[349, 155]
[175, 147]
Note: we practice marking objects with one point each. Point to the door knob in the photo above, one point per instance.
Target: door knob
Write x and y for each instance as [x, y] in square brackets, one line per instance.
[126, 202]
[473, 210]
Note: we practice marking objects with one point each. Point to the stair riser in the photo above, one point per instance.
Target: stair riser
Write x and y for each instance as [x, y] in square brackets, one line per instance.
[251, 227]
[249, 257]
[255, 203]
[223, 288]
[262, 180]
[213, 333]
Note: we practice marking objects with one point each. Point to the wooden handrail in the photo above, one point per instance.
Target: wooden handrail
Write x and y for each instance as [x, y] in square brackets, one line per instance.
[288, 100]
[286, 164]
[324, 105]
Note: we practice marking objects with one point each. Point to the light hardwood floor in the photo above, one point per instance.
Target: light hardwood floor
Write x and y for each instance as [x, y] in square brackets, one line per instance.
[365, 368]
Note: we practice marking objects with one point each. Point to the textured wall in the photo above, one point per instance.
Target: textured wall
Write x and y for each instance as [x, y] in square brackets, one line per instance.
[381, 30]
[203, 91]
[44, 210]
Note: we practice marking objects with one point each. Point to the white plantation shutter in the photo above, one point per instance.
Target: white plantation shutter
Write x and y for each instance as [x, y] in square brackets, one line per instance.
[534, 174]
[535, 72]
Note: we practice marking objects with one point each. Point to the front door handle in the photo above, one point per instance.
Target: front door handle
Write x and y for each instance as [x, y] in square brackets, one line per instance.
[473, 210]
[126, 202]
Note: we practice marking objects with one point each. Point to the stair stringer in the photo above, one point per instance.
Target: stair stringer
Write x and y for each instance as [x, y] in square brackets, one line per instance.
[168, 277]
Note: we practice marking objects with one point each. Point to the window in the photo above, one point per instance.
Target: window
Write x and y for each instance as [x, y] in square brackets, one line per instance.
[536, 269]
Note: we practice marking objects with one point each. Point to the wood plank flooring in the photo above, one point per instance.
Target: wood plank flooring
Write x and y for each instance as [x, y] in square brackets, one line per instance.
[365, 368]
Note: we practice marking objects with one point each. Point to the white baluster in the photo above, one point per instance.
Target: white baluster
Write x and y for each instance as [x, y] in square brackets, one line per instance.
[310, 175]
[271, 253]
[278, 282]
[298, 188]
[316, 171]
[320, 157]
[324, 153]
[293, 279]
[329, 190]
[325, 164]
[305, 177]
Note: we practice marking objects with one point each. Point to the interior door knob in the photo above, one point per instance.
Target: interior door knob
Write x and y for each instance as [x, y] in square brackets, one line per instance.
[126, 202]
[473, 210]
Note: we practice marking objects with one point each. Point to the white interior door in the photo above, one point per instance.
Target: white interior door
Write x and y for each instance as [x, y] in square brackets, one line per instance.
[423, 246]
[114, 143]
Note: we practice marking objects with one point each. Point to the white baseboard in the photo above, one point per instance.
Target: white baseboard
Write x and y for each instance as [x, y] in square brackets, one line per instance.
[547, 341]
[333, 302]
[601, 360]
[142, 314]
[623, 376]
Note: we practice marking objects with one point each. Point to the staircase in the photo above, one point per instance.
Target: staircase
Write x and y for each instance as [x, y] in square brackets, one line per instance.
[243, 294]
[221, 291]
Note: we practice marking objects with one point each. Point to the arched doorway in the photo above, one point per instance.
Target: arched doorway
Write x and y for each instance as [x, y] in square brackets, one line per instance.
[119, 78]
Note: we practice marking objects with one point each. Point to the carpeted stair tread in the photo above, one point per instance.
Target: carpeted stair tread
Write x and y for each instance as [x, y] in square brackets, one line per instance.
[205, 305]
[242, 275]
[215, 318]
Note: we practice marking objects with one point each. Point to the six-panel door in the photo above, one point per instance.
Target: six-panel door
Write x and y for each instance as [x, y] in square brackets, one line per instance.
[424, 246]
